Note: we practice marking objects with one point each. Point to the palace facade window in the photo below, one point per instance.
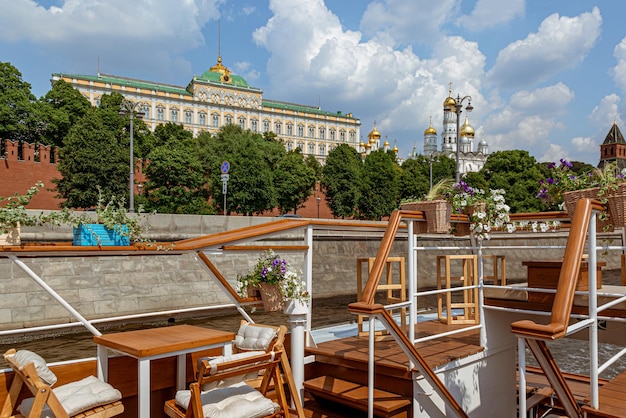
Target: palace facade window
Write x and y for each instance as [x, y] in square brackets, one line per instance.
[278, 128]
[202, 119]
[254, 124]
[322, 133]
[160, 113]
[290, 129]
[300, 131]
[174, 115]
[311, 132]
[229, 120]
[215, 120]
[146, 111]
[188, 116]
[342, 136]
[266, 126]
[242, 122]
[332, 134]
[311, 148]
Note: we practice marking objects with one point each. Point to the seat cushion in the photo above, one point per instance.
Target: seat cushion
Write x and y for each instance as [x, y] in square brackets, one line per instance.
[78, 396]
[235, 401]
[23, 357]
[254, 337]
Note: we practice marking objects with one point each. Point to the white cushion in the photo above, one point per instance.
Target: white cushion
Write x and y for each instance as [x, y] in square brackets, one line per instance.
[23, 357]
[254, 337]
[78, 396]
[234, 379]
[236, 401]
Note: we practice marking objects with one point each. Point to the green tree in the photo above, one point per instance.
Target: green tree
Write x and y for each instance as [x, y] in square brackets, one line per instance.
[379, 185]
[176, 182]
[61, 108]
[413, 182]
[91, 156]
[294, 180]
[341, 177]
[252, 160]
[518, 174]
[315, 165]
[19, 116]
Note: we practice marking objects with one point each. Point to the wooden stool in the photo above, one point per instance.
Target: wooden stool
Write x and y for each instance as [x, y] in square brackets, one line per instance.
[390, 286]
[499, 269]
[468, 277]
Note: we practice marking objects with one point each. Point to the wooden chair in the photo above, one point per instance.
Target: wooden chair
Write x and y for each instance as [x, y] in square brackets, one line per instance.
[63, 401]
[221, 383]
[251, 339]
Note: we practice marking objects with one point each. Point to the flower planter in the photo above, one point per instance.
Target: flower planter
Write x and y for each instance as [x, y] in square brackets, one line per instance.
[98, 234]
[572, 197]
[437, 213]
[271, 297]
[296, 307]
[11, 237]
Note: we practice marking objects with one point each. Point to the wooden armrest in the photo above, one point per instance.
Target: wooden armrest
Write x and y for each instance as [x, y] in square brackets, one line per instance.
[530, 329]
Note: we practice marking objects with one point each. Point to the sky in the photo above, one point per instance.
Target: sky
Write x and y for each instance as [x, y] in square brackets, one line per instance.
[548, 77]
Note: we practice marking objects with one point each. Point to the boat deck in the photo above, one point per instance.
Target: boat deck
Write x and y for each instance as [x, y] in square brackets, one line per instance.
[388, 354]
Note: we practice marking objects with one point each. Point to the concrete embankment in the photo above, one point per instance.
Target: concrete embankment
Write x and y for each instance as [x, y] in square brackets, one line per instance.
[104, 287]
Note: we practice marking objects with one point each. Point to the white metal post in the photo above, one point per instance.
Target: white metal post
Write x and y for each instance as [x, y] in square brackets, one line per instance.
[593, 314]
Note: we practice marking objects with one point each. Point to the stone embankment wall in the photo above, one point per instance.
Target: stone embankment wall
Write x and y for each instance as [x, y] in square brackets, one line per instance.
[105, 287]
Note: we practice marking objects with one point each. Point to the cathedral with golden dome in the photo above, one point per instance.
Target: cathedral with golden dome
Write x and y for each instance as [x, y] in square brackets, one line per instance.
[472, 156]
[373, 143]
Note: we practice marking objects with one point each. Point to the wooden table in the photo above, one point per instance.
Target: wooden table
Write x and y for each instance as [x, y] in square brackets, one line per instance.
[149, 344]
[544, 274]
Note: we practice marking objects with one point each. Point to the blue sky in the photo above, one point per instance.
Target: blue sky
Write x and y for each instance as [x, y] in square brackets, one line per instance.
[544, 76]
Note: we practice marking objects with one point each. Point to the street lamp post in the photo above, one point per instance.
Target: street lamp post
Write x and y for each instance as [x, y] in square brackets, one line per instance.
[458, 110]
[129, 108]
[319, 199]
[431, 171]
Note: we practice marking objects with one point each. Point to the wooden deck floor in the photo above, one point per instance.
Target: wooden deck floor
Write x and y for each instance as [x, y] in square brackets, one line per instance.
[389, 355]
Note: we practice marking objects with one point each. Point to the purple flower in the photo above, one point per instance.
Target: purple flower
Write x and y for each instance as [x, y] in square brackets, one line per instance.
[551, 165]
[565, 163]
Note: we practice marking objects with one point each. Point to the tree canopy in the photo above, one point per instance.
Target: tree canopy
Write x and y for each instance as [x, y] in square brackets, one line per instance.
[341, 177]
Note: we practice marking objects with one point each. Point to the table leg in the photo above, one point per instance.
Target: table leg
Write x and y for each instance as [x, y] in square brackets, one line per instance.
[144, 388]
[181, 373]
[103, 363]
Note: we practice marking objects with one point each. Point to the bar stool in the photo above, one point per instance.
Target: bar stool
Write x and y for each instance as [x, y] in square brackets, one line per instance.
[499, 269]
[468, 277]
[387, 285]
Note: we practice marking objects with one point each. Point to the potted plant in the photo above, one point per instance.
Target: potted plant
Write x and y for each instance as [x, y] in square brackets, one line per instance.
[14, 215]
[565, 188]
[112, 224]
[436, 208]
[486, 211]
[275, 281]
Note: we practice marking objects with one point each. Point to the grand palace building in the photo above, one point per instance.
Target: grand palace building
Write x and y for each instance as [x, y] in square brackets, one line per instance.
[217, 98]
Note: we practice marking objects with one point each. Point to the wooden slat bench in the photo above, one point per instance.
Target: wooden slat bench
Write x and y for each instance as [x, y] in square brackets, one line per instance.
[386, 404]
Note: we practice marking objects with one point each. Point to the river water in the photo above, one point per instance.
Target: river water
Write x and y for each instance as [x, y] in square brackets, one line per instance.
[571, 355]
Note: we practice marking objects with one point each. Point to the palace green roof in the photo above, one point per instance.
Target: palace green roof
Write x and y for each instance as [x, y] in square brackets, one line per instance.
[302, 108]
[129, 82]
[214, 77]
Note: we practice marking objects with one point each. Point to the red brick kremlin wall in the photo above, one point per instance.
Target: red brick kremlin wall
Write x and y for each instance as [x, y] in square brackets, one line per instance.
[19, 174]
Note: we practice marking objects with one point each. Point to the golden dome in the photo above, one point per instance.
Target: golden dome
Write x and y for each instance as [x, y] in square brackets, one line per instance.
[374, 135]
[368, 146]
[386, 144]
[449, 103]
[395, 147]
[466, 129]
[430, 130]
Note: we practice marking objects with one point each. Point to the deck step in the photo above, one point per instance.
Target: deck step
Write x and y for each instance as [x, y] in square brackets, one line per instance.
[386, 404]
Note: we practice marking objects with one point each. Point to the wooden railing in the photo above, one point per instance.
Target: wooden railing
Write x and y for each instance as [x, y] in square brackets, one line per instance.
[535, 335]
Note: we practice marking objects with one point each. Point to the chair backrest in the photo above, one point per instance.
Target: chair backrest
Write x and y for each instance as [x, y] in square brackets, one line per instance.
[258, 337]
[229, 374]
[29, 369]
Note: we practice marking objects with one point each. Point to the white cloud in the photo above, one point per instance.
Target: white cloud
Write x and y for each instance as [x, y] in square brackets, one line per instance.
[560, 43]
[619, 71]
[584, 144]
[554, 153]
[401, 21]
[490, 13]
[606, 112]
[127, 36]
[529, 119]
